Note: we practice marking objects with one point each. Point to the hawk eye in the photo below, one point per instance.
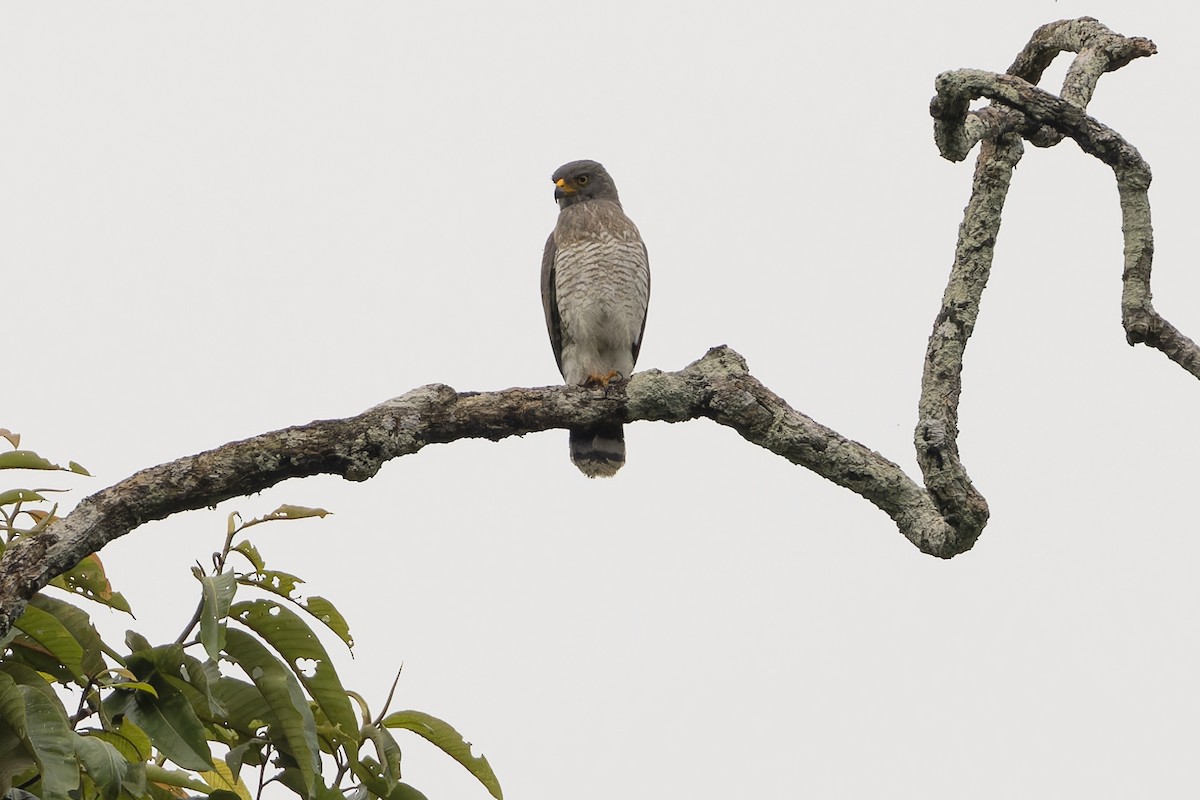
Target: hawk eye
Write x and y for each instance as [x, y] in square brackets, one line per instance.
[582, 179]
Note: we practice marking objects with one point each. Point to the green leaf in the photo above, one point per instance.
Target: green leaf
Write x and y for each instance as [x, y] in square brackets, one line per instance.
[135, 642]
[324, 611]
[200, 676]
[104, 763]
[281, 583]
[48, 631]
[135, 780]
[79, 625]
[251, 553]
[87, 579]
[128, 739]
[136, 686]
[218, 591]
[405, 792]
[7, 498]
[48, 737]
[385, 747]
[285, 631]
[168, 720]
[449, 741]
[14, 761]
[373, 776]
[77, 469]
[248, 752]
[25, 459]
[27, 676]
[285, 585]
[223, 780]
[247, 709]
[281, 690]
[24, 650]
[174, 777]
[15, 752]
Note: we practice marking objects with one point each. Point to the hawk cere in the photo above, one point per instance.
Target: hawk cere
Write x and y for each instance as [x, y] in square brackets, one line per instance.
[595, 291]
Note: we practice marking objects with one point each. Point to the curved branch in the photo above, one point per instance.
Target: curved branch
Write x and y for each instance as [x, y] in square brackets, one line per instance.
[1020, 110]
[1142, 323]
[718, 387]
[943, 520]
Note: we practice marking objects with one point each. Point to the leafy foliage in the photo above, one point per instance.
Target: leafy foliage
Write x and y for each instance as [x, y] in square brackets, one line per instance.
[245, 696]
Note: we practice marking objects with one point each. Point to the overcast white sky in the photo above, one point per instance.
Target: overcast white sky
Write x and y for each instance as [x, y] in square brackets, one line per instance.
[224, 218]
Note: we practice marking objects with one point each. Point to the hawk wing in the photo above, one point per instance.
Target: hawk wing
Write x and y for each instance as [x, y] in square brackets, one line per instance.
[550, 302]
[637, 343]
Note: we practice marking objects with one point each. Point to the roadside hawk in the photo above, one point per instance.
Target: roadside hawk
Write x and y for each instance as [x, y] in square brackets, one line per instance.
[595, 290]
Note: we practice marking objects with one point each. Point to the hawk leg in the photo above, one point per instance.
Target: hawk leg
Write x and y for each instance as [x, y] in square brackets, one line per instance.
[596, 379]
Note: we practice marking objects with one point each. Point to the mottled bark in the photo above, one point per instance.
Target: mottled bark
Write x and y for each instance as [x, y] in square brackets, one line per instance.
[943, 518]
[718, 387]
[1019, 112]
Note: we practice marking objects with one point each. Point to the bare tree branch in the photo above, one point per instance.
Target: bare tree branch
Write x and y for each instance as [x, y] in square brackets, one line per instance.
[1020, 111]
[943, 519]
[1026, 109]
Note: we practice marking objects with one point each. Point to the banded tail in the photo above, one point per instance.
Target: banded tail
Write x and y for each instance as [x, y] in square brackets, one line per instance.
[598, 452]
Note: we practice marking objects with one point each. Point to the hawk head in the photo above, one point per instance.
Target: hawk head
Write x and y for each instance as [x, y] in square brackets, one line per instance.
[582, 180]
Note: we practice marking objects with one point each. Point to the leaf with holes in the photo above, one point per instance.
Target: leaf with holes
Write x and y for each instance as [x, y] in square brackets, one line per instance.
[281, 583]
[330, 617]
[285, 631]
[287, 511]
[252, 555]
[87, 579]
[281, 690]
[449, 741]
[10, 496]
[25, 459]
[286, 585]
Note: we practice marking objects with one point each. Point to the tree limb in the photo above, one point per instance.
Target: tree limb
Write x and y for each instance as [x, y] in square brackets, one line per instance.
[1021, 111]
[718, 387]
[943, 519]
[1021, 107]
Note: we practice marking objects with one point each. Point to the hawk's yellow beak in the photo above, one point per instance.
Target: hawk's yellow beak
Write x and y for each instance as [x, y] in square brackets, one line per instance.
[561, 183]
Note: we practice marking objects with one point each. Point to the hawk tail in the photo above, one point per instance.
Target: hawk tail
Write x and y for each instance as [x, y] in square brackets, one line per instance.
[598, 452]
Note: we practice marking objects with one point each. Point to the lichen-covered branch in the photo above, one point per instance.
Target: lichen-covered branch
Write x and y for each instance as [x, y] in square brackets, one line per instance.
[718, 387]
[1020, 111]
[943, 518]
[936, 437]
[1026, 107]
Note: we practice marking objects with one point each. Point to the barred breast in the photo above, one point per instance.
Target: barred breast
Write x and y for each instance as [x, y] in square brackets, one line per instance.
[602, 285]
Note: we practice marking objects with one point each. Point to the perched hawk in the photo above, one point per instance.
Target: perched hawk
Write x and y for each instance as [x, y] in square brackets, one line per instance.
[595, 290]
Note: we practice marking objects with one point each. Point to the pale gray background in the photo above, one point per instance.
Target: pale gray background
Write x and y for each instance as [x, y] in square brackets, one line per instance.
[224, 218]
